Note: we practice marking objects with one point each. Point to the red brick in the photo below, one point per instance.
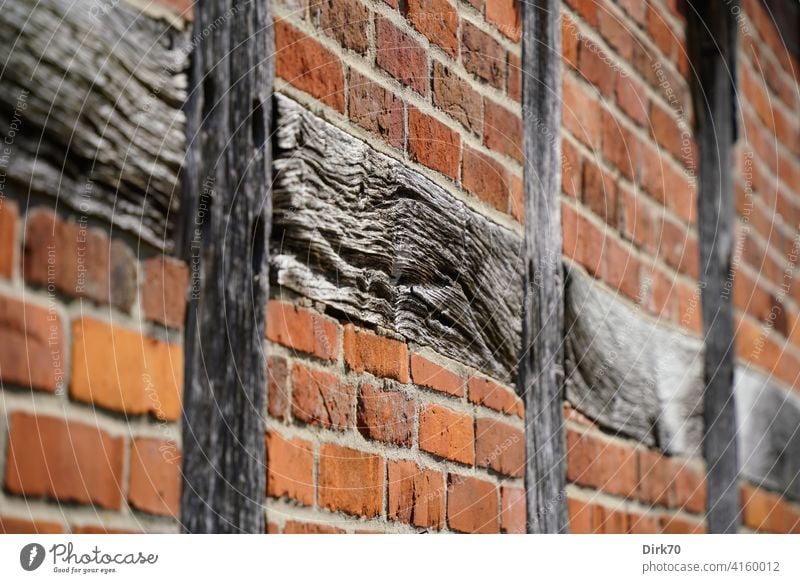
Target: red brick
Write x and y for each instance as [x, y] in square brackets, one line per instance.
[586, 9]
[597, 66]
[514, 87]
[600, 464]
[620, 145]
[277, 387]
[571, 169]
[690, 314]
[386, 415]
[665, 129]
[70, 462]
[600, 192]
[437, 20]
[608, 521]
[401, 56]
[350, 481]
[9, 525]
[580, 516]
[642, 524]
[488, 393]
[485, 178]
[570, 35]
[432, 143]
[303, 330]
[632, 99]
[659, 31]
[429, 374]
[164, 291]
[502, 130]
[581, 113]
[584, 242]
[512, 510]
[517, 199]
[638, 221]
[616, 34]
[9, 217]
[416, 495]
[690, 488]
[321, 398]
[506, 16]
[454, 96]
[482, 55]
[345, 20]
[294, 527]
[290, 468]
[376, 109]
[381, 356]
[500, 447]
[272, 528]
[99, 529]
[124, 281]
[155, 476]
[655, 478]
[678, 525]
[306, 64]
[471, 505]
[447, 434]
[31, 346]
[622, 268]
[123, 371]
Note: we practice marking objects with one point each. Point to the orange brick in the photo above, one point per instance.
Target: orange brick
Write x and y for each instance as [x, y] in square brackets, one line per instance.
[599, 464]
[471, 505]
[690, 488]
[678, 525]
[580, 516]
[447, 434]
[500, 447]
[386, 415]
[63, 460]
[429, 374]
[9, 525]
[512, 510]
[155, 476]
[321, 398]
[488, 393]
[655, 478]
[416, 495]
[9, 217]
[303, 330]
[350, 481]
[294, 527]
[383, 357]
[608, 521]
[164, 291]
[433, 144]
[642, 524]
[506, 16]
[290, 468]
[123, 371]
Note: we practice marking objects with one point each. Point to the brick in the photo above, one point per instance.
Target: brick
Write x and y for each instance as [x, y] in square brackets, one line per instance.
[665, 129]
[600, 464]
[570, 36]
[307, 65]
[620, 145]
[505, 15]
[302, 330]
[99, 529]
[321, 398]
[622, 269]
[124, 280]
[600, 192]
[502, 130]
[486, 392]
[632, 99]
[482, 55]
[616, 34]
[485, 178]
[608, 520]
[678, 525]
[155, 477]
[31, 346]
[690, 489]
[350, 481]
[514, 86]
[659, 31]
[454, 96]
[386, 416]
[500, 447]
[597, 66]
[437, 20]
[376, 109]
[294, 527]
[655, 478]
[277, 387]
[580, 516]
[512, 510]
[10, 525]
[401, 56]
[517, 199]
[429, 374]
[290, 468]
[643, 524]
[690, 314]
[447, 434]
[272, 528]
[381, 356]
[9, 217]
[638, 221]
[571, 169]
[416, 495]
[123, 371]
[471, 505]
[586, 9]
[581, 113]
[346, 21]
[67, 461]
[164, 291]
[433, 144]
[584, 242]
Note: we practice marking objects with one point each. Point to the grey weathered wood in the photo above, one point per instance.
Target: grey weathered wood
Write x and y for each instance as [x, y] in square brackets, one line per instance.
[712, 50]
[383, 244]
[229, 164]
[102, 128]
[541, 377]
[768, 421]
[630, 373]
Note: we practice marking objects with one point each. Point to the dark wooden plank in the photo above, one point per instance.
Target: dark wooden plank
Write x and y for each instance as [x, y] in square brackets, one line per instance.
[101, 130]
[230, 165]
[371, 238]
[541, 359]
[712, 50]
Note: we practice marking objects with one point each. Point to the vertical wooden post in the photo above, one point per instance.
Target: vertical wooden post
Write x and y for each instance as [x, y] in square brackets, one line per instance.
[541, 364]
[227, 186]
[712, 46]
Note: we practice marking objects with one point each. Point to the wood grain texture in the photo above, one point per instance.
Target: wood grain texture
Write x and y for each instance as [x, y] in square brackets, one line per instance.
[381, 243]
[712, 51]
[541, 359]
[102, 128]
[228, 182]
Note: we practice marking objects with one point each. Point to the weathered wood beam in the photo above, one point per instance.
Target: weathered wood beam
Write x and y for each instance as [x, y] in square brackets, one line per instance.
[541, 360]
[712, 50]
[101, 130]
[229, 176]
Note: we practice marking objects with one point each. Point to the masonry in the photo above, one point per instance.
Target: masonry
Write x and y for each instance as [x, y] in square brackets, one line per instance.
[382, 417]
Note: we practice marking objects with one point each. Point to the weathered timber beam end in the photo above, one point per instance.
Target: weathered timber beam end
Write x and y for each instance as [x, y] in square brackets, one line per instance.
[98, 94]
[381, 243]
[228, 182]
[712, 53]
[541, 359]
